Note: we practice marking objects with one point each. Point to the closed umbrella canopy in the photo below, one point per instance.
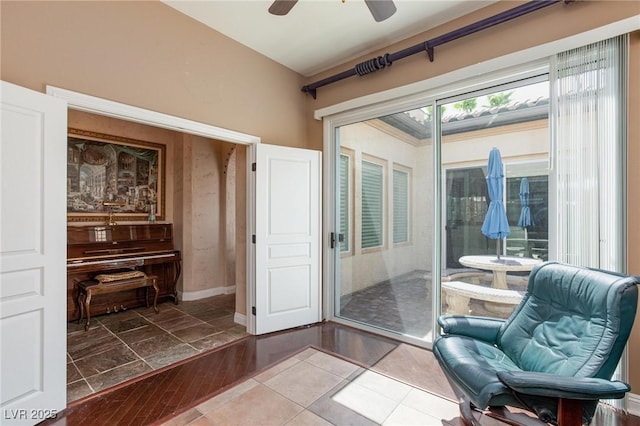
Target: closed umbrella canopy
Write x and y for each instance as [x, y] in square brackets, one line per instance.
[526, 220]
[496, 225]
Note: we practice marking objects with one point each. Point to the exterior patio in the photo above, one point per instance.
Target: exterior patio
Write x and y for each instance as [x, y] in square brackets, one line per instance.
[404, 304]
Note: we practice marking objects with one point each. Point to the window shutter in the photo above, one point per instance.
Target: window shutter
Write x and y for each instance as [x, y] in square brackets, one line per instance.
[372, 206]
[400, 206]
[344, 201]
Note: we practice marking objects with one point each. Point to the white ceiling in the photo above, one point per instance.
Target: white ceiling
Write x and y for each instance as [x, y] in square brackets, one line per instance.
[319, 34]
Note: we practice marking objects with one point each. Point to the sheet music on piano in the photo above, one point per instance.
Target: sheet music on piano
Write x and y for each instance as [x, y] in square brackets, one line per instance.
[92, 250]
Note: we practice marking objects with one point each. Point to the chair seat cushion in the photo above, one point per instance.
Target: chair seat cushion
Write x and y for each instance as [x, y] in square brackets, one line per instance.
[473, 365]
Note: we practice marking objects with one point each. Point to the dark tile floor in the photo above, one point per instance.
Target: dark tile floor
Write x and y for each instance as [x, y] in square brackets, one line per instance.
[128, 344]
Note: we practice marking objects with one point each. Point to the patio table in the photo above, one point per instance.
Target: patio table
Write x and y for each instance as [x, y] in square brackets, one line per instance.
[499, 267]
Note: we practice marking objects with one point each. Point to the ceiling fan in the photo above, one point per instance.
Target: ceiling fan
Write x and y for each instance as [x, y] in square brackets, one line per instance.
[380, 9]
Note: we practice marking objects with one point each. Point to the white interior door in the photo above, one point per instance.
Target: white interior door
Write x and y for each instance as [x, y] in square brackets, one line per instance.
[32, 255]
[287, 237]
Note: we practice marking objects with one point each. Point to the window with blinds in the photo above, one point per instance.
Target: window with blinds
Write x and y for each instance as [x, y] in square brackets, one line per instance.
[400, 206]
[372, 205]
[344, 201]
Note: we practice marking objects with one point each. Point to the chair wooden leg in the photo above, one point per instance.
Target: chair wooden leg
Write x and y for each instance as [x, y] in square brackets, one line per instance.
[569, 412]
[504, 415]
[464, 405]
[466, 413]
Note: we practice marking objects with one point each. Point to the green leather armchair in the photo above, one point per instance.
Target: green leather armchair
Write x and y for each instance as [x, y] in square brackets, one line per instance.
[554, 356]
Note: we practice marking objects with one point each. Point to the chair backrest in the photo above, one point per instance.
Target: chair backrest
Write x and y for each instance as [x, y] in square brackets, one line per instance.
[573, 321]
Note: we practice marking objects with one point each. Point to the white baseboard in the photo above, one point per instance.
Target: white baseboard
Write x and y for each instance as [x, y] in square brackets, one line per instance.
[240, 319]
[633, 404]
[202, 294]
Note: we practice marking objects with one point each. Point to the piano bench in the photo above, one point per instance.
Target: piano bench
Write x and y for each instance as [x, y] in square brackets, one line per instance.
[112, 283]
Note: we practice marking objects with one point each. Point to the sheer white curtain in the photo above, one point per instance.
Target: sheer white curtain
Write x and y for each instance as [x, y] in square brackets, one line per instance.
[588, 156]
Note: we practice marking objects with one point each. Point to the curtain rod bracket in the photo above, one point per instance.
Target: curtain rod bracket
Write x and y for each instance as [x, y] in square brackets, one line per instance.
[429, 50]
[309, 90]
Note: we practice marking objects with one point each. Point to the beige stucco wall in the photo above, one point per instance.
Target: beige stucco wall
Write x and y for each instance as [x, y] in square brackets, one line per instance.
[203, 214]
[517, 142]
[146, 54]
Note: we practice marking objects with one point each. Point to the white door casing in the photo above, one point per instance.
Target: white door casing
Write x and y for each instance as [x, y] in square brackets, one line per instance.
[32, 255]
[287, 237]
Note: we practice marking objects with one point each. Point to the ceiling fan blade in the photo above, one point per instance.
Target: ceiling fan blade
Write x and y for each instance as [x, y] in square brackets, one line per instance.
[281, 7]
[381, 9]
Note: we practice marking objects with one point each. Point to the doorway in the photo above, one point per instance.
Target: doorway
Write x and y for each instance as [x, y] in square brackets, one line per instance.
[204, 202]
[231, 159]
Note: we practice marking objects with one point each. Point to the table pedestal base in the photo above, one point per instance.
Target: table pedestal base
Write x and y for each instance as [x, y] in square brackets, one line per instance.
[502, 309]
[500, 280]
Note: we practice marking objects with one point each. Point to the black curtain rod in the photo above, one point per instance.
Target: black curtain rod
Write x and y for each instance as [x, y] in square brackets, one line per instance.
[375, 64]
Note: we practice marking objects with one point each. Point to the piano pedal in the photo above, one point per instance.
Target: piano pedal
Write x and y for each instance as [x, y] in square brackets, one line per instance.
[122, 308]
[108, 310]
[115, 308]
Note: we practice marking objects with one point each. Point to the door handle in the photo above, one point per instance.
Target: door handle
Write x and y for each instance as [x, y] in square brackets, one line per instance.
[333, 239]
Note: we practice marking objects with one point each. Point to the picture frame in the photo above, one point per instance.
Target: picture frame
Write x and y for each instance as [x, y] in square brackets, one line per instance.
[112, 178]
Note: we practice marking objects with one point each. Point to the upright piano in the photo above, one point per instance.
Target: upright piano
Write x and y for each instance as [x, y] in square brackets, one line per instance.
[92, 250]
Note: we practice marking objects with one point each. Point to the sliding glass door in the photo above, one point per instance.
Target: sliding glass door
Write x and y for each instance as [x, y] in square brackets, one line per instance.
[487, 261]
[479, 256]
[401, 237]
[385, 208]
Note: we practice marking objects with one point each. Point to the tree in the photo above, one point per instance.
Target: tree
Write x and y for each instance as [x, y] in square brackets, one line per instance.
[502, 98]
[467, 105]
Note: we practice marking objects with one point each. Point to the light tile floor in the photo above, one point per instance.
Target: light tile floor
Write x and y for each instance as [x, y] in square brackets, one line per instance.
[314, 388]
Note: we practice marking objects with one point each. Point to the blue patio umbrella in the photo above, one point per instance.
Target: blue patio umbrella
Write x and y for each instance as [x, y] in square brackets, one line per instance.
[526, 220]
[496, 225]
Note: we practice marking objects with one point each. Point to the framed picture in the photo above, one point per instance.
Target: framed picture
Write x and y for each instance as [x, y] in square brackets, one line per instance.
[111, 178]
